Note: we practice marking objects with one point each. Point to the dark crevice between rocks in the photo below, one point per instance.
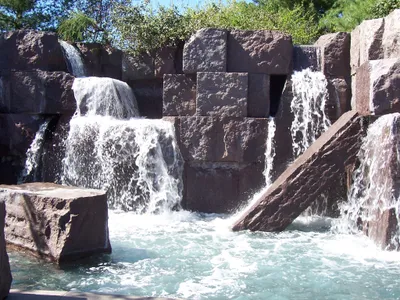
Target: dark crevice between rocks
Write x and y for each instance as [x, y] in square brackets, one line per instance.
[277, 83]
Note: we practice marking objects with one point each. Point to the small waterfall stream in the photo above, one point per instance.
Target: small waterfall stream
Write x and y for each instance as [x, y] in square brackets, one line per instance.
[74, 60]
[308, 107]
[33, 155]
[376, 182]
[137, 161]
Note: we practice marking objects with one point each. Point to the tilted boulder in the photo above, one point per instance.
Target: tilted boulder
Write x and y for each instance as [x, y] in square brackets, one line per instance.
[315, 173]
[335, 51]
[205, 51]
[222, 94]
[29, 50]
[56, 222]
[391, 35]
[5, 272]
[377, 87]
[259, 51]
[37, 92]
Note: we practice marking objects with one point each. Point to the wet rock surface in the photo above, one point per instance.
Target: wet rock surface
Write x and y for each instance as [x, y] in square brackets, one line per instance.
[317, 171]
[56, 222]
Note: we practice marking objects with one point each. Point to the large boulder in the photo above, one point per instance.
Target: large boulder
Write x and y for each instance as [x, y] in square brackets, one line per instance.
[206, 51]
[366, 42]
[377, 87]
[37, 92]
[29, 50]
[318, 172]
[222, 139]
[179, 95]
[56, 222]
[335, 50]
[258, 102]
[391, 35]
[5, 272]
[259, 51]
[222, 94]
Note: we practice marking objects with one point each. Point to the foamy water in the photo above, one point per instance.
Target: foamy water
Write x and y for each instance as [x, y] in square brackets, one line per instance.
[195, 256]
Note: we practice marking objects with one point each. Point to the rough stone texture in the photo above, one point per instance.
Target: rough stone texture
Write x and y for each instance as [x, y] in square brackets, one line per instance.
[377, 87]
[258, 101]
[37, 92]
[317, 171]
[222, 140]
[305, 56]
[205, 51]
[179, 95]
[339, 98]
[56, 222]
[222, 94]
[259, 51]
[29, 50]
[149, 97]
[228, 185]
[16, 135]
[354, 50]
[382, 228]
[5, 272]
[370, 41]
[391, 35]
[136, 68]
[335, 50]
[164, 61]
[101, 61]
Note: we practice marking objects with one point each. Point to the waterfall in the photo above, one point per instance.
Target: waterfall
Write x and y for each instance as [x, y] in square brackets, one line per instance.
[308, 107]
[33, 155]
[74, 60]
[137, 161]
[375, 187]
[270, 152]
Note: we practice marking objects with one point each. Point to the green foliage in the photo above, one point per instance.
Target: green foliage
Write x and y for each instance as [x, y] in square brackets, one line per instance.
[77, 28]
[33, 14]
[383, 7]
[144, 29]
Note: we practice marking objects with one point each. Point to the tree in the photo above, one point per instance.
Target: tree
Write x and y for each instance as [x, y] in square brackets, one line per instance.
[33, 14]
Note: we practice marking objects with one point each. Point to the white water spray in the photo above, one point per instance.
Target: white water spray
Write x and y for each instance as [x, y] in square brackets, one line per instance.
[74, 59]
[136, 160]
[270, 152]
[308, 107]
[33, 155]
[375, 187]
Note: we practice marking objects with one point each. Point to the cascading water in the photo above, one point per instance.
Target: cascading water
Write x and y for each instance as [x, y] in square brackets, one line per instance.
[376, 182]
[74, 59]
[308, 107]
[270, 152]
[33, 155]
[136, 160]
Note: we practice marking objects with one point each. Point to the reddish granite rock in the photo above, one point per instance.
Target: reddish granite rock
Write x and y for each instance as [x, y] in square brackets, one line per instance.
[56, 222]
[179, 95]
[258, 102]
[318, 171]
[259, 51]
[5, 272]
[29, 50]
[391, 35]
[377, 87]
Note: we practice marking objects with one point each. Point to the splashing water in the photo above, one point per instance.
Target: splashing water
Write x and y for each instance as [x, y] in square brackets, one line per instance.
[33, 155]
[104, 96]
[136, 160]
[74, 59]
[308, 107]
[270, 152]
[375, 187]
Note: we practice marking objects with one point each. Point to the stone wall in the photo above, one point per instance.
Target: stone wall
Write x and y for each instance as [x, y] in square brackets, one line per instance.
[5, 273]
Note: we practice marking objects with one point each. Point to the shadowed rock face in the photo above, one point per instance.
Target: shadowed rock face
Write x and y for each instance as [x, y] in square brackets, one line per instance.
[318, 171]
[29, 50]
[56, 222]
[5, 273]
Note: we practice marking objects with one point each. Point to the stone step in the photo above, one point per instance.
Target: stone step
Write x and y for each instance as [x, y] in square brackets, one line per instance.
[319, 171]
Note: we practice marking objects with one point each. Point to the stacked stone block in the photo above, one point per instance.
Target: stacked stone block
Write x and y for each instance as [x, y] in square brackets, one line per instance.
[220, 108]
